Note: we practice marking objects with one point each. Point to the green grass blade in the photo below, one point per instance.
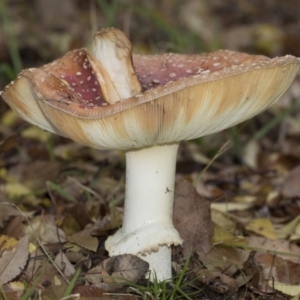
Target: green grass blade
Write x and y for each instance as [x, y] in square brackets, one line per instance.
[278, 118]
[109, 10]
[55, 187]
[3, 293]
[7, 25]
[71, 286]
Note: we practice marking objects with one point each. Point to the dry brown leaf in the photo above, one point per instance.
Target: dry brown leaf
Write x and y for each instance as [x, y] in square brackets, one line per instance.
[223, 236]
[281, 248]
[108, 222]
[268, 268]
[263, 227]
[290, 229]
[12, 262]
[231, 283]
[291, 186]
[7, 211]
[12, 291]
[84, 239]
[42, 270]
[206, 275]
[118, 269]
[36, 133]
[250, 154]
[96, 275]
[79, 212]
[35, 174]
[224, 258]
[192, 218]
[285, 288]
[223, 220]
[63, 263]
[79, 259]
[287, 271]
[45, 229]
[37, 265]
[9, 118]
[127, 266]
[226, 207]
[56, 290]
[15, 227]
[221, 283]
[89, 292]
[68, 151]
[206, 190]
[8, 143]
[95, 293]
[15, 190]
[280, 270]
[7, 243]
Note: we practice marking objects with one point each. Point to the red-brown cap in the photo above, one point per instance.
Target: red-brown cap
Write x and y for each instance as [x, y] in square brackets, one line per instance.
[183, 96]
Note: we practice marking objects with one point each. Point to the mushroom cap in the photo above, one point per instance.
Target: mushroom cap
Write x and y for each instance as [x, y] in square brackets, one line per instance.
[183, 97]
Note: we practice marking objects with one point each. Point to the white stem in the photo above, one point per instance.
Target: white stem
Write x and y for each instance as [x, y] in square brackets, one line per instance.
[148, 229]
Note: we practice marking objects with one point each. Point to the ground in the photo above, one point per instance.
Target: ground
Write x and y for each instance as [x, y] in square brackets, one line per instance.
[60, 200]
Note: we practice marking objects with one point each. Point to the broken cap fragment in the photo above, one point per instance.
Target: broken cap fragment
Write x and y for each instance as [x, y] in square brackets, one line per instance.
[117, 69]
[179, 97]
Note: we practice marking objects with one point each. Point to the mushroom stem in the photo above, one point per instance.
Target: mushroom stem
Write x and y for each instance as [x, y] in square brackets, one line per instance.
[148, 229]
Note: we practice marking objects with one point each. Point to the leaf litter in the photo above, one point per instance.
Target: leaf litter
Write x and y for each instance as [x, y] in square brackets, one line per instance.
[240, 223]
[13, 261]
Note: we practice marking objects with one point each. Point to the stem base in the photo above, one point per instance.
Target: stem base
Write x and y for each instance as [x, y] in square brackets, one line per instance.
[148, 229]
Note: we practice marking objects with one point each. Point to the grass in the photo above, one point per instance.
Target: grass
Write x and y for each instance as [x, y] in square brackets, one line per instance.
[72, 283]
[3, 293]
[221, 150]
[109, 10]
[179, 39]
[31, 291]
[177, 288]
[278, 118]
[7, 24]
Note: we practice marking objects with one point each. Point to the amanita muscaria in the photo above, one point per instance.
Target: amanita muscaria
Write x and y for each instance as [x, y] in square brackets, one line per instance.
[146, 105]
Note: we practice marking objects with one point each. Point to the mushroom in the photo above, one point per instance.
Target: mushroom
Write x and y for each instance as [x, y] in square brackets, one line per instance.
[146, 105]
